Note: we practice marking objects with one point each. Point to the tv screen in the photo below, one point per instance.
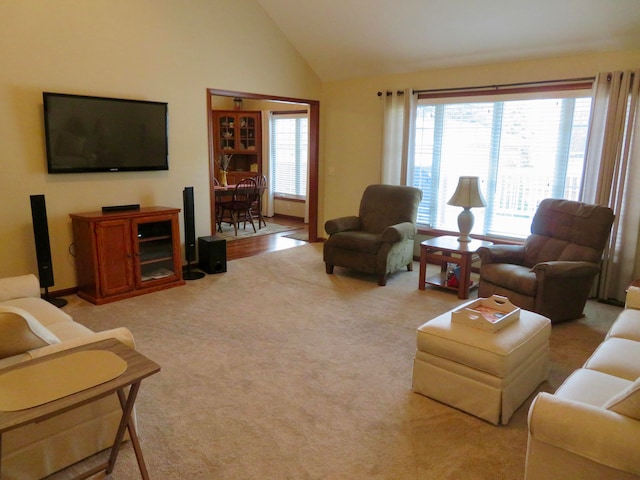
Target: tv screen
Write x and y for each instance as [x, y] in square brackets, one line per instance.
[98, 134]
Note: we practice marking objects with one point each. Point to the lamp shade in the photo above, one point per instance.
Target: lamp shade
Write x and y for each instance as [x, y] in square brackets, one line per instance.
[467, 194]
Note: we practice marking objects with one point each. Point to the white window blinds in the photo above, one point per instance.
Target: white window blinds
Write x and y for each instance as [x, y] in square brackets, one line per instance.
[524, 148]
[289, 153]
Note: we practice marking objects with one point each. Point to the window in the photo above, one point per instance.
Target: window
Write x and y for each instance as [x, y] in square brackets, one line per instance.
[524, 147]
[289, 153]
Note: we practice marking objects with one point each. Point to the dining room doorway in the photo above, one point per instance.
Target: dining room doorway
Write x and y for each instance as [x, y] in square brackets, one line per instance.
[313, 107]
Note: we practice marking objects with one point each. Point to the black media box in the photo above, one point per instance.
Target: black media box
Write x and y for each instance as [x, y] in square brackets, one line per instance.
[212, 254]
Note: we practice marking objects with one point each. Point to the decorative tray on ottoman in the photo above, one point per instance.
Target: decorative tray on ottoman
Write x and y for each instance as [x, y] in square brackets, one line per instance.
[491, 314]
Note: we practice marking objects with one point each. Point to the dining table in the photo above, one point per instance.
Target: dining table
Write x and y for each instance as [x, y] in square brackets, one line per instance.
[225, 193]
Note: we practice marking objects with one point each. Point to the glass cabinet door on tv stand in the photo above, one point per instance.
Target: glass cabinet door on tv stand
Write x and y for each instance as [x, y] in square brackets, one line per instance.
[155, 256]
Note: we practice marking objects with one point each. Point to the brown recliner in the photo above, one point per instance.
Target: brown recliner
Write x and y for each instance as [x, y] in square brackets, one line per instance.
[380, 239]
[553, 272]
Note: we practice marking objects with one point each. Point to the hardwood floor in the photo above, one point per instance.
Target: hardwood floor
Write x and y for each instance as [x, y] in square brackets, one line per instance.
[248, 247]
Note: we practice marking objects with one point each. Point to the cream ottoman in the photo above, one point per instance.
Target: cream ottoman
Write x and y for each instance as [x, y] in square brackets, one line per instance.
[483, 373]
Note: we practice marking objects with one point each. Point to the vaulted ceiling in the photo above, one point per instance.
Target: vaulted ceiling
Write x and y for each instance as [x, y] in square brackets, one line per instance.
[343, 39]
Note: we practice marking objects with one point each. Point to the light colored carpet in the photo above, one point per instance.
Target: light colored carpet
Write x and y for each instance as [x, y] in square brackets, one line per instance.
[276, 370]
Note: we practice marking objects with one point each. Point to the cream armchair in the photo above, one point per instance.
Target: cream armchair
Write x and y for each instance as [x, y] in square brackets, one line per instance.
[590, 427]
[31, 327]
[380, 239]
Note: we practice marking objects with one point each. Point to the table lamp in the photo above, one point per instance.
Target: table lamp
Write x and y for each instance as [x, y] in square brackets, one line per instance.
[467, 195]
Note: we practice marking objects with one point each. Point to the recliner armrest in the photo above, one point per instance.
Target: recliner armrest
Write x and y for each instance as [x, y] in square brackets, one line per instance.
[591, 432]
[566, 269]
[400, 231]
[342, 224]
[502, 254]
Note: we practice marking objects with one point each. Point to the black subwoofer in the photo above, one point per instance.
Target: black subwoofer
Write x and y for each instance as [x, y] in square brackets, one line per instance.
[212, 254]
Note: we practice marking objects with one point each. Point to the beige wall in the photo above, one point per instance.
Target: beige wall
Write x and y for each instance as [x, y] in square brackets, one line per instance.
[165, 50]
[351, 116]
[161, 50]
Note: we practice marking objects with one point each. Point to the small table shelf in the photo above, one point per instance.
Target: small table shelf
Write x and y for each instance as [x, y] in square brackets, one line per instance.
[444, 250]
[440, 280]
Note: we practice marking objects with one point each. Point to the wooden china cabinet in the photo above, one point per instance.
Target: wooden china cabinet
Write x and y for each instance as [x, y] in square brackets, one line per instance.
[238, 133]
[126, 253]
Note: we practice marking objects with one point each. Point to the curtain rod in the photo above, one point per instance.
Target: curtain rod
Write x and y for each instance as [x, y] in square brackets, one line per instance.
[494, 87]
[506, 85]
[389, 93]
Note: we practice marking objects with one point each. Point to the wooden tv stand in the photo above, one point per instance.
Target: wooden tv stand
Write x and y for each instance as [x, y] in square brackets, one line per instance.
[126, 253]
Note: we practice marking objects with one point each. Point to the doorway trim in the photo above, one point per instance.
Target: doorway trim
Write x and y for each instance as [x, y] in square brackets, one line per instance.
[314, 132]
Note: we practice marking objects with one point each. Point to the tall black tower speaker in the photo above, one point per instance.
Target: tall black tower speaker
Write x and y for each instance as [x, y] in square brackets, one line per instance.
[189, 234]
[43, 247]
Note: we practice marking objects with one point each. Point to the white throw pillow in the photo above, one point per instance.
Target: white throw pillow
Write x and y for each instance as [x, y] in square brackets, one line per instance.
[627, 402]
[21, 332]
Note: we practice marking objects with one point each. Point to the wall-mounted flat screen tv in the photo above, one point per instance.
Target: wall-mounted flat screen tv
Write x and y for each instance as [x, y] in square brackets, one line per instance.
[99, 134]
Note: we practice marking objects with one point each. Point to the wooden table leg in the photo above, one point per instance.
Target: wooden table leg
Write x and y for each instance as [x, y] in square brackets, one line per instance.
[131, 427]
[125, 421]
[465, 276]
[423, 267]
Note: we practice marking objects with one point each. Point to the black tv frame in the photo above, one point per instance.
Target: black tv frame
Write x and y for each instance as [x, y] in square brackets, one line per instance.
[104, 134]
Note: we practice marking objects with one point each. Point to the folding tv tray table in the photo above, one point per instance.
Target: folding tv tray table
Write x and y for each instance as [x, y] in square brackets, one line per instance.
[45, 399]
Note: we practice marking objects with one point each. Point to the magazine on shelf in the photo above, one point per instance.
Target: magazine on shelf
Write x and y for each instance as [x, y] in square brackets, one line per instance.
[157, 274]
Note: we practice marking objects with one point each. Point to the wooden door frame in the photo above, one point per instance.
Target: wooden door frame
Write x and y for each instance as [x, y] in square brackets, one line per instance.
[314, 132]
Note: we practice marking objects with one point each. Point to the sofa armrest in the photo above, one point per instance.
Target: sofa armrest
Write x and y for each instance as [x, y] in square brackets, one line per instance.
[121, 333]
[566, 269]
[502, 254]
[342, 224]
[400, 231]
[19, 287]
[633, 298]
[591, 432]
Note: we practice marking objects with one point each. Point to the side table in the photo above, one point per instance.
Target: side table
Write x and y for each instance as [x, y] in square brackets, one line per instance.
[444, 250]
[138, 367]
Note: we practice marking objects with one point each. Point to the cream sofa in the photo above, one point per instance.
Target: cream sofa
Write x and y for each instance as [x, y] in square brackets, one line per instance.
[29, 328]
[590, 427]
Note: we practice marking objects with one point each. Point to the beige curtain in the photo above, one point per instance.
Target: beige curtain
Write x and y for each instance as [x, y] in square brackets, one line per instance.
[612, 175]
[398, 135]
[267, 206]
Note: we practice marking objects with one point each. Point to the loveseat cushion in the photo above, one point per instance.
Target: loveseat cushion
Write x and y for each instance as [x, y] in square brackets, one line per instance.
[627, 402]
[591, 387]
[627, 325]
[21, 332]
[617, 356]
[46, 313]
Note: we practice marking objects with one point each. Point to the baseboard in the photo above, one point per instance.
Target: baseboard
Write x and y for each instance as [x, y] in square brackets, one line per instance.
[288, 217]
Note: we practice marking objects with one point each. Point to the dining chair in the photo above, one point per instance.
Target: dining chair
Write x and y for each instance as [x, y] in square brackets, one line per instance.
[238, 209]
[261, 184]
[216, 183]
